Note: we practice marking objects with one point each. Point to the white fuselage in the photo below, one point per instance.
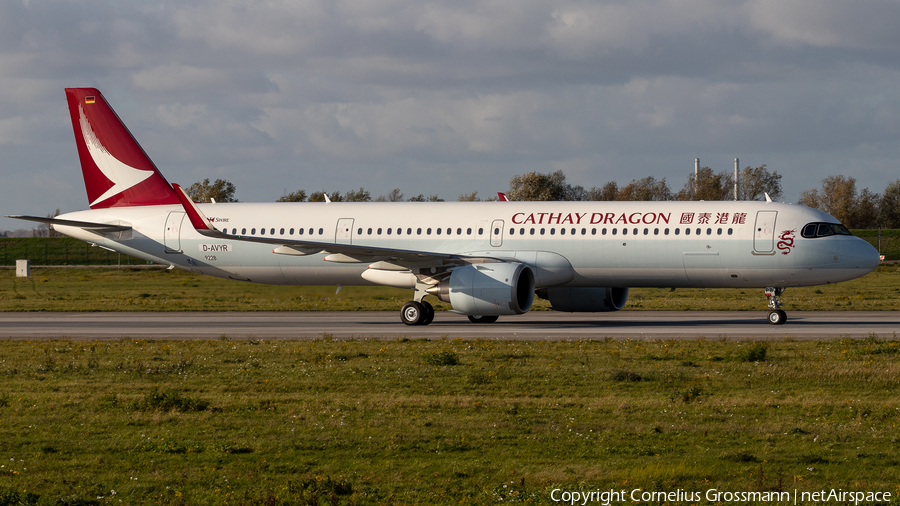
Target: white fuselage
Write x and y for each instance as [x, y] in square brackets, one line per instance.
[610, 244]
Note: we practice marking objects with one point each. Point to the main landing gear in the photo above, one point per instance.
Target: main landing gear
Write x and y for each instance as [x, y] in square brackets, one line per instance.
[417, 313]
[776, 315]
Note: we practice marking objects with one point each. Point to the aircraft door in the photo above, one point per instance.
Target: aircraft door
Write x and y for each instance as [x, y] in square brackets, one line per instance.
[481, 232]
[497, 233]
[764, 233]
[172, 235]
[343, 232]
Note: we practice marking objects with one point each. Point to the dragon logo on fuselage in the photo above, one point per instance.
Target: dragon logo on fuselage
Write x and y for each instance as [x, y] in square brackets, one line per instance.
[786, 244]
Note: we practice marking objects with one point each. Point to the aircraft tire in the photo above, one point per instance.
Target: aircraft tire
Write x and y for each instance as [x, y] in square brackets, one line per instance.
[412, 313]
[474, 318]
[429, 313]
[777, 317]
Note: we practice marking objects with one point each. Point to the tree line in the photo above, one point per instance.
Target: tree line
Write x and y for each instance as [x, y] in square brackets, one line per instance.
[836, 195]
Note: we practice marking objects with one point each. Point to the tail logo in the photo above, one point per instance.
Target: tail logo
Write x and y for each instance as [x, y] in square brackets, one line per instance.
[123, 176]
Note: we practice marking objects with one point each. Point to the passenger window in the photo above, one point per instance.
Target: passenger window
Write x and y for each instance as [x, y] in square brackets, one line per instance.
[369, 232]
[310, 231]
[584, 231]
[532, 231]
[262, 231]
[449, 231]
[300, 231]
[480, 231]
[593, 231]
[428, 231]
[252, 231]
[719, 231]
[408, 231]
[358, 231]
[542, 231]
[678, 231]
[666, 232]
[573, 231]
[646, 231]
[709, 231]
[272, 231]
[624, 231]
[438, 231]
[468, 231]
[418, 231]
[281, 232]
[687, 231]
[321, 231]
[399, 231]
[243, 231]
[655, 231]
[729, 231]
[521, 231]
[698, 231]
[379, 231]
[635, 231]
[615, 231]
[512, 231]
[389, 231]
[603, 232]
[292, 232]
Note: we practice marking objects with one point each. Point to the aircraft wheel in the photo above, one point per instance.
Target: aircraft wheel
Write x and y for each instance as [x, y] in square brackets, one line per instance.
[429, 313]
[777, 317]
[413, 313]
[482, 319]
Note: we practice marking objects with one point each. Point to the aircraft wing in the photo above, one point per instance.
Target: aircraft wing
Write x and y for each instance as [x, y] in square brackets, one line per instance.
[335, 252]
[87, 225]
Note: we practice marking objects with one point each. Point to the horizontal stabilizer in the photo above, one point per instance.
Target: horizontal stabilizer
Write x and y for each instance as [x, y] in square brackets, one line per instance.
[86, 225]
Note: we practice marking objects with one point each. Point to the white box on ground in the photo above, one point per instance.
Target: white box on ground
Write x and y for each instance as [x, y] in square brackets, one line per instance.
[23, 269]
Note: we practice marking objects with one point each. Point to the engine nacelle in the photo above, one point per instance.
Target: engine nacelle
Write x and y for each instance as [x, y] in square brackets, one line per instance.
[489, 289]
[589, 299]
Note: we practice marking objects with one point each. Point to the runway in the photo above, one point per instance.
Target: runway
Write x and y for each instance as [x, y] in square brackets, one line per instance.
[386, 325]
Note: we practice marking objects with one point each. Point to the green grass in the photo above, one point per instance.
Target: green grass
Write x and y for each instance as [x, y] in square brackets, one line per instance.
[158, 289]
[440, 422]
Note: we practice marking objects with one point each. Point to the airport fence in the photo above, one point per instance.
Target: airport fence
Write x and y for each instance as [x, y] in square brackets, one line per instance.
[59, 251]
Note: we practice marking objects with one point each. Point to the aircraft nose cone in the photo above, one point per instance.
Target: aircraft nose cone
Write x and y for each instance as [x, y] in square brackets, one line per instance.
[863, 256]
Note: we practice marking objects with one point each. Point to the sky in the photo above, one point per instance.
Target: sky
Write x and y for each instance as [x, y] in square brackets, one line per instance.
[450, 97]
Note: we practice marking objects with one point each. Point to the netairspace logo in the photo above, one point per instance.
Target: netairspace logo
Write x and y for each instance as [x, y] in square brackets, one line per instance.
[716, 496]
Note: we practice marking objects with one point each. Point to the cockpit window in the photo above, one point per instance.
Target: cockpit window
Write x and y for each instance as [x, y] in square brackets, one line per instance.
[812, 230]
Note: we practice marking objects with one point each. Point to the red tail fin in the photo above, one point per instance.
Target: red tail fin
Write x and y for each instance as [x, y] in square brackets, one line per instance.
[116, 170]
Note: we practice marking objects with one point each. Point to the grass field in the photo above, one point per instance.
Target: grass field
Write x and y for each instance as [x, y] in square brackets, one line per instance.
[158, 289]
[441, 422]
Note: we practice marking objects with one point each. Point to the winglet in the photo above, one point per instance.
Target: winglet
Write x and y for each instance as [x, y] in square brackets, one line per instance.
[502, 197]
[198, 220]
[768, 198]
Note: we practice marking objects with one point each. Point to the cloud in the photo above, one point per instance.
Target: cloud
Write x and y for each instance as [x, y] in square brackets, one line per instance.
[869, 25]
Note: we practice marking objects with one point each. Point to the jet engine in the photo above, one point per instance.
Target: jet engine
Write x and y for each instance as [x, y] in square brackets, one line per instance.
[488, 289]
[578, 299]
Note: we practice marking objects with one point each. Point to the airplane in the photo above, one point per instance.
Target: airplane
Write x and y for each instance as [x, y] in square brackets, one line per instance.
[487, 259]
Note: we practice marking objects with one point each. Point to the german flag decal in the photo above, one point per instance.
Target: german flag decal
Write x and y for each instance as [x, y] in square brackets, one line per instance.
[88, 100]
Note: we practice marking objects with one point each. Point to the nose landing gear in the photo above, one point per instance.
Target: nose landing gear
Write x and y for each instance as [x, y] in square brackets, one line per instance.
[776, 315]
